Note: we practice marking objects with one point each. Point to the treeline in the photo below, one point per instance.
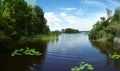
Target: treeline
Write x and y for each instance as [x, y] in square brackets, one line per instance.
[70, 30]
[18, 18]
[107, 28]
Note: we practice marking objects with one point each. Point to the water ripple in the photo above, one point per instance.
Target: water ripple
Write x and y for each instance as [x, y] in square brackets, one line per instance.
[65, 56]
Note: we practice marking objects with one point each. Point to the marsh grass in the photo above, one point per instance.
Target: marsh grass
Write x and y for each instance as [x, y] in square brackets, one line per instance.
[39, 37]
[46, 37]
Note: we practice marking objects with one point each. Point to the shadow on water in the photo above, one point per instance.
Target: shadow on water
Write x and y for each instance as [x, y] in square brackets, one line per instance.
[22, 63]
[61, 55]
[108, 48]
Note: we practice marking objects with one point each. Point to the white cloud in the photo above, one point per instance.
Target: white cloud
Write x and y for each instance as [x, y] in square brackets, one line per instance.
[32, 2]
[63, 20]
[63, 14]
[79, 23]
[53, 21]
[68, 9]
[83, 24]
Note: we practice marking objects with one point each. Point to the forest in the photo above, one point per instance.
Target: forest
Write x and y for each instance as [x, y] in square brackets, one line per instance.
[70, 30]
[19, 19]
[107, 28]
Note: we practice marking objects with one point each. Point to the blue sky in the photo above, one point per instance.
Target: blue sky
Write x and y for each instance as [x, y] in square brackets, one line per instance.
[77, 14]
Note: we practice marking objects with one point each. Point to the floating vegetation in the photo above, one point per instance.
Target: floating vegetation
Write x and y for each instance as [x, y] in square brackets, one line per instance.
[83, 66]
[114, 56]
[26, 51]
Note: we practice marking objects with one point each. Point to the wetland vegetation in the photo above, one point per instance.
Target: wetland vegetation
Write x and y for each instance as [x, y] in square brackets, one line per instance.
[108, 28]
[28, 44]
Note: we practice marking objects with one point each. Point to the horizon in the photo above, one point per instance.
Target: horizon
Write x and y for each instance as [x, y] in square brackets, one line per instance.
[76, 14]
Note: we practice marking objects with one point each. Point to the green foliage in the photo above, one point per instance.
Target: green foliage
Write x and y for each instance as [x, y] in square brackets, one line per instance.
[117, 14]
[106, 29]
[83, 66]
[102, 18]
[49, 36]
[57, 32]
[27, 51]
[18, 19]
[70, 30]
[114, 56]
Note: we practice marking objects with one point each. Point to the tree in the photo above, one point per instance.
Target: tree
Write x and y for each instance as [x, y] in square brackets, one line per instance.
[102, 18]
[18, 19]
[109, 13]
[117, 14]
[107, 29]
[14, 12]
[1, 19]
[42, 27]
[70, 30]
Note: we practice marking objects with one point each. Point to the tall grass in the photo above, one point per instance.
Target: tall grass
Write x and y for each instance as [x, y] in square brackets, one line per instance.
[45, 37]
[39, 37]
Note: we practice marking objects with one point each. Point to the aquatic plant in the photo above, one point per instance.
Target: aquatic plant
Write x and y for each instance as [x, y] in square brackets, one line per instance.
[114, 56]
[83, 66]
[26, 51]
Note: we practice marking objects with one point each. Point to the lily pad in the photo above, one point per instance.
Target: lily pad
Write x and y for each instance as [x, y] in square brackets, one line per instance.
[114, 56]
[26, 51]
[83, 66]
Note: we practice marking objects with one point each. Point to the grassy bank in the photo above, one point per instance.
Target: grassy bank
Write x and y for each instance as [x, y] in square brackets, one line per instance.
[39, 37]
[45, 37]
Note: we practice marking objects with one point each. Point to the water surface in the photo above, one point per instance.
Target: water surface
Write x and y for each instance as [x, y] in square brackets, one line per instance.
[63, 54]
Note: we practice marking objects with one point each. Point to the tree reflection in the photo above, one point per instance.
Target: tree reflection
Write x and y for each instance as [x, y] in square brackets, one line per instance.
[22, 63]
[108, 48]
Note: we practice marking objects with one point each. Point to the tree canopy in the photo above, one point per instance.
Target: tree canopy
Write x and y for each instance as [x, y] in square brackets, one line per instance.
[18, 18]
[107, 29]
[70, 30]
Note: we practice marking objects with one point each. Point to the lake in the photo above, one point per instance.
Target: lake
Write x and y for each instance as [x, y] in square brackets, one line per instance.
[63, 54]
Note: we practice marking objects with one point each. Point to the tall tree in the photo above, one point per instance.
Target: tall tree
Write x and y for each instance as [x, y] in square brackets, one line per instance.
[109, 13]
[117, 14]
[41, 21]
[17, 19]
[1, 6]
[14, 14]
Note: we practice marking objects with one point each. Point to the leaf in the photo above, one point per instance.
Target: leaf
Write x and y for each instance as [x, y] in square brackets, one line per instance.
[26, 51]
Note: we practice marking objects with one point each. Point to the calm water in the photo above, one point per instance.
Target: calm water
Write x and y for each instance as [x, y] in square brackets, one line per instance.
[62, 54]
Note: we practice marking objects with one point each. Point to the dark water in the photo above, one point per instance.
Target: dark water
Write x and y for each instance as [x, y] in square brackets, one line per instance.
[62, 54]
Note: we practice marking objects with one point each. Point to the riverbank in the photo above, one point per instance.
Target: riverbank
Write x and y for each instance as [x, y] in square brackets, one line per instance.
[46, 37]
[39, 37]
[8, 44]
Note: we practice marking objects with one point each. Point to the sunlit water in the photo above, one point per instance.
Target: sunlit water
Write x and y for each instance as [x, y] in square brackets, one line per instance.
[66, 52]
